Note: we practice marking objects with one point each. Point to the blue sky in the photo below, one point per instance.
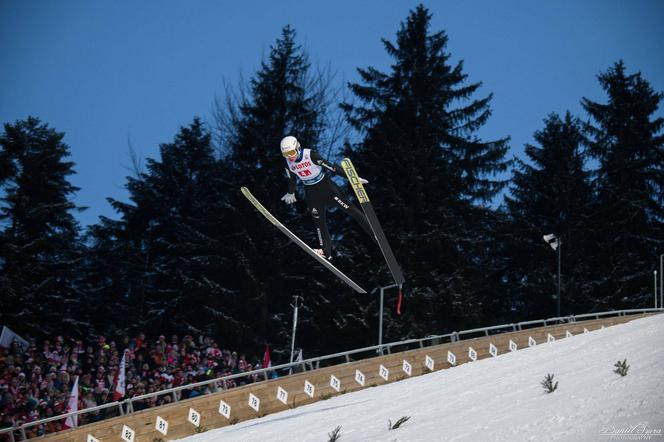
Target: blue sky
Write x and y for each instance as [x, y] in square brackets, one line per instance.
[108, 73]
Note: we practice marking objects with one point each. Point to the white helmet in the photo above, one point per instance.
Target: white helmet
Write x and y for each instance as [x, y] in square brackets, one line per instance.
[289, 145]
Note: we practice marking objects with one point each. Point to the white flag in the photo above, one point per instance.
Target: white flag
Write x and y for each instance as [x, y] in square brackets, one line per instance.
[299, 356]
[551, 240]
[72, 406]
[8, 336]
[120, 380]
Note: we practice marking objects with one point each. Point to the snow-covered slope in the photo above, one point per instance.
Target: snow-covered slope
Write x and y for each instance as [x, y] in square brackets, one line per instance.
[497, 399]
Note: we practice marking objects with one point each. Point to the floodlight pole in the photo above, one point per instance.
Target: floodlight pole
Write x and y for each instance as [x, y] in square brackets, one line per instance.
[380, 314]
[661, 280]
[655, 273]
[560, 243]
[555, 242]
[296, 305]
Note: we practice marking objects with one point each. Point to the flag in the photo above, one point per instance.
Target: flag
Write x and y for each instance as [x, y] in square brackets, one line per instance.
[551, 240]
[267, 363]
[299, 356]
[72, 406]
[8, 336]
[119, 380]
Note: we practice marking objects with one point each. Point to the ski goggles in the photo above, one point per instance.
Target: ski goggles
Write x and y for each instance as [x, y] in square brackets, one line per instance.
[289, 153]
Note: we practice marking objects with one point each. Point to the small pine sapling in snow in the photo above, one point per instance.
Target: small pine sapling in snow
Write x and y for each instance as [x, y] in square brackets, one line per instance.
[398, 423]
[621, 367]
[548, 384]
[334, 435]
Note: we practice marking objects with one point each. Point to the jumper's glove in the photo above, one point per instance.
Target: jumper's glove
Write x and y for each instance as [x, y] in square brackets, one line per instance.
[363, 181]
[289, 198]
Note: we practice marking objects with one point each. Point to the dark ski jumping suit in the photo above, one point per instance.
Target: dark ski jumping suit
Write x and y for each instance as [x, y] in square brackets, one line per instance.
[321, 192]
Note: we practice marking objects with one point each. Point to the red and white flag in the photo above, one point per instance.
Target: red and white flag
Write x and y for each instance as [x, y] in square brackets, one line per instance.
[119, 380]
[267, 363]
[72, 406]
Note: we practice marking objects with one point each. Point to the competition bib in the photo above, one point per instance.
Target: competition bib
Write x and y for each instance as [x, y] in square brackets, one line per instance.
[305, 169]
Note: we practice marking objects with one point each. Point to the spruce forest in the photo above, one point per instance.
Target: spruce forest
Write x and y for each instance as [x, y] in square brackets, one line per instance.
[188, 254]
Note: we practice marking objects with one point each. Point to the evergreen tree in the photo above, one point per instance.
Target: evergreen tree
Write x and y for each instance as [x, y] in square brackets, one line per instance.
[280, 104]
[551, 193]
[430, 174]
[166, 254]
[39, 245]
[187, 235]
[626, 140]
[111, 277]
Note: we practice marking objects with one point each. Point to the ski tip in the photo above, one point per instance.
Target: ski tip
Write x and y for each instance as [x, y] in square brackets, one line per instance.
[355, 181]
[247, 194]
[347, 164]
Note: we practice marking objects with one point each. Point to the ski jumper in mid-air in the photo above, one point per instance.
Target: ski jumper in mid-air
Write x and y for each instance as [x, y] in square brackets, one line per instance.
[320, 191]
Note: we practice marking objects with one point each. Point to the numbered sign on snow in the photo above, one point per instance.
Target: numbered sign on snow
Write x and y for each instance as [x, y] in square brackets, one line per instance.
[161, 425]
[309, 389]
[282, 395]
[335, 383]
[585, 330]
[451, 358]
[493, 350]
[224, 409]
[407, 368]
[550, 338]
[359, 377]
[194, 417]
[568, 334]
[531, 342]
[428, 361]
[472, 354]
[384, 372]
[254, 402]
[92, 439]
[128, 434]
[513, 346]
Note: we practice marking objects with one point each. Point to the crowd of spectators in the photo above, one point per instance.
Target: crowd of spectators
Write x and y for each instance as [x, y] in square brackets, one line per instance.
[36, 383]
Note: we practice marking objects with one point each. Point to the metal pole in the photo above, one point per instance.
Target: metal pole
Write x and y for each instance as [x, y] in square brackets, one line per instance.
[560, 243]
[380, 314]
[661, 280]
[380, 321]
[295, 306]
[655, 273]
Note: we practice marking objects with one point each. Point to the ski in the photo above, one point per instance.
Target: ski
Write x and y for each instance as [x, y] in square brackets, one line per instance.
[367, 207]
[299, 242]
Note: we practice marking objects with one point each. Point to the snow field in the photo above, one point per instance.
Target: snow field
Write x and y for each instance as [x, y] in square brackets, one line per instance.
[496, 398]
